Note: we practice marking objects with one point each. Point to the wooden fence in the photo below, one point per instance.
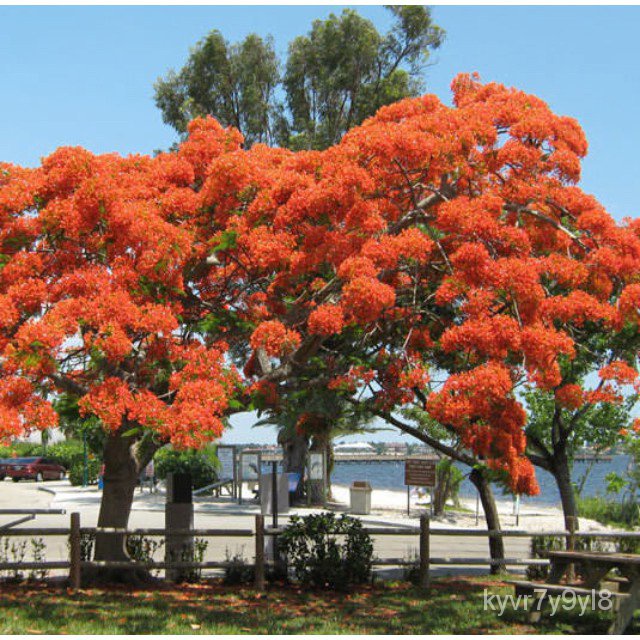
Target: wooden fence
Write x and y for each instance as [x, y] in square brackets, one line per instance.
[423, 562]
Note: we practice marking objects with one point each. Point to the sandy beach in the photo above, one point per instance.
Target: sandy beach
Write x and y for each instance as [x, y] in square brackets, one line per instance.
[389, 503]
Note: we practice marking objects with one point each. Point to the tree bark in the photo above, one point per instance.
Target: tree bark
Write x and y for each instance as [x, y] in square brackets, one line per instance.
[442, 489]
[496, 544]
[124, 458]
[322, 442]
[561, 471]
[294, 459]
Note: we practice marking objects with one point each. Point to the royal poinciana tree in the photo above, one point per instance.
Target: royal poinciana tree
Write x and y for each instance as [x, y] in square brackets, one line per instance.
[436, 256]
[445, 257]
[104, 284]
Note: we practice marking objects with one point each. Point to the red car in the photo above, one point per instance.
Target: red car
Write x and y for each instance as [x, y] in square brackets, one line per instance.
[38, 469]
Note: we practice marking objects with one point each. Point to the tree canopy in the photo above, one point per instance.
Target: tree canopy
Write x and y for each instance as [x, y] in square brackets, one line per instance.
[437, 255]
[337, 75]
[234, 82]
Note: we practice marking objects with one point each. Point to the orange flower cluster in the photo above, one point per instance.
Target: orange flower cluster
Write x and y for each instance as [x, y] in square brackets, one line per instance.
[274, 338]
[326, 320]
[481, 406]
[570, 396]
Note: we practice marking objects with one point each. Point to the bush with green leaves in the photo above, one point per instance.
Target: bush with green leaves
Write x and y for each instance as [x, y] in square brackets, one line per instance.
[194, 551]
[66, 452]
[17, 551]
[76, 472]
[202, 466]
[142, 548]
[22, 450]
[325, 551]
[238, 571]
[608, 510]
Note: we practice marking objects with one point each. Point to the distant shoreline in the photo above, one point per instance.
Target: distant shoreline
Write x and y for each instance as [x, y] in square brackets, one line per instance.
[389, 475]
[532, 517]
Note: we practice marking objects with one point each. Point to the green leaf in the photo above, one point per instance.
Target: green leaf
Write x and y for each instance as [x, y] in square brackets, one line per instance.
[228, 240]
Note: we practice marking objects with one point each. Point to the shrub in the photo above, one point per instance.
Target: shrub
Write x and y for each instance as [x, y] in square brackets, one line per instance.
[327, 552]
[142, 548]
[22, 450]
[12, 550]
[87, 544]
[609, 511]
[188, 553]
[76, 472]
[237, 572]
[202, 466]
[67, 452]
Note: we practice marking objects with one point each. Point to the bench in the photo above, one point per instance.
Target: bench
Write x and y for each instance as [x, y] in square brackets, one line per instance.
[540, 591]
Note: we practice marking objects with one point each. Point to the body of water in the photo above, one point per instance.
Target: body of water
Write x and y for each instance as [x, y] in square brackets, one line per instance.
[390, 475]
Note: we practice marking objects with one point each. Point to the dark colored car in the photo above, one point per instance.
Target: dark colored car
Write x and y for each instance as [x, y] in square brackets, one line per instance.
[38, 469]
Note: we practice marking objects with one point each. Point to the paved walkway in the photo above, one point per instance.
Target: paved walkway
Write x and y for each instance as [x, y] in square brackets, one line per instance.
[209, 513]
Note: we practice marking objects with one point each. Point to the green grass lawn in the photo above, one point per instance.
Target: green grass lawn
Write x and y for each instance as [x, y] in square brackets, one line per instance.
[452, 605]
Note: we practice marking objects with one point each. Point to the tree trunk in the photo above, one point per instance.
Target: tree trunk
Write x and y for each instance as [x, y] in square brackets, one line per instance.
[124, 458]
[496, 544]
[442, 488]
[321, 442]
[294, 459]
[561, 471]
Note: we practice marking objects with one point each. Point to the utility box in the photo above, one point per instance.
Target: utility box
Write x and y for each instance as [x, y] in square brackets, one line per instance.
[360, 498]
[179, 488]
[266, 493]
[179, 517]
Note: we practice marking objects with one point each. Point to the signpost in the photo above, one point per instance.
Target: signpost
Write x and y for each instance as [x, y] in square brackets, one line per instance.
[250, 465]
[228, 467]
[419, 471]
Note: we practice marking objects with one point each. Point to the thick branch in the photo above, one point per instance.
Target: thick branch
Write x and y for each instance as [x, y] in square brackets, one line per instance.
[420, 435]
[67, 384]
[549, 220]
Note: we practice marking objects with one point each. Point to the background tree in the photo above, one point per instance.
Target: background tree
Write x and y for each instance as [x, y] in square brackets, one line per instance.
[236, 83]
[344, 70]
[335, 77]
[559, 426]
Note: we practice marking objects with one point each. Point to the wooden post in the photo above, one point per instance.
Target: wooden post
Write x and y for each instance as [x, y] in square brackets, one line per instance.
[259, 567]
[74, 551]
[424, 550]
[571, 546]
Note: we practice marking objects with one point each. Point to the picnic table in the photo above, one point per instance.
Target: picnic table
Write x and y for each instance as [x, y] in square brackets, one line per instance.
[595, 567]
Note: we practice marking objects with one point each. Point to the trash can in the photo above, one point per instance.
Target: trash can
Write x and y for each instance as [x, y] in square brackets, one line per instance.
[360, 497]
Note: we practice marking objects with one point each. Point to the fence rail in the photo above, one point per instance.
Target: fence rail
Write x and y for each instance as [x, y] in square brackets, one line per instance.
[424, 560]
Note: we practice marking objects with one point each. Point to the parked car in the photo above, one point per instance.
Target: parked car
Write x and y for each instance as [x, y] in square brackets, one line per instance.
[38, 469]
[3, 468]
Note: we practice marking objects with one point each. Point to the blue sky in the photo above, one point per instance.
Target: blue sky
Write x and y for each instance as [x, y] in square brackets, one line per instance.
[84, 76]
